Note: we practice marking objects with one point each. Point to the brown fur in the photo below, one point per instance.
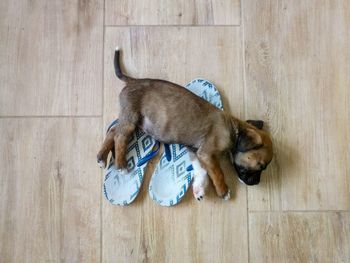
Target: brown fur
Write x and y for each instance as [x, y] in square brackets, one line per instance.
[172, 114]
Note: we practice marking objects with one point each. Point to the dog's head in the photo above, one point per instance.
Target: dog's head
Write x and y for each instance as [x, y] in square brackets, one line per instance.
[253, 152]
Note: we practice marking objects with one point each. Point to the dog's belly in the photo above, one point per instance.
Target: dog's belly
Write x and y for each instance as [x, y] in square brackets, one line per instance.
[148, 127]
[157, 130]
[168, 132]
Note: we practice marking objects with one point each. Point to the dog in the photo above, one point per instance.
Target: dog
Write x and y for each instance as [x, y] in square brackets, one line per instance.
[171, 114]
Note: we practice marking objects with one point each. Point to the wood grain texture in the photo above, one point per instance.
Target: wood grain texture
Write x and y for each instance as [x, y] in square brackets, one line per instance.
[297, 76]
[177, 54]
[50, 190]
[299, 237]
[292, 71]
[168, 12]
[51, 57]
[210, 231]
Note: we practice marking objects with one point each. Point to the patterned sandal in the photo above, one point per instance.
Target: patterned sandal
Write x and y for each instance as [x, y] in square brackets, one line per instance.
[120, 188]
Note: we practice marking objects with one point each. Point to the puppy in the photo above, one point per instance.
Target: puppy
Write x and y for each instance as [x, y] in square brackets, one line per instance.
[172, 114]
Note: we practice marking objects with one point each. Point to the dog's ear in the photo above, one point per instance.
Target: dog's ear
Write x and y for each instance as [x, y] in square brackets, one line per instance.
[248, 139]
[256, 123]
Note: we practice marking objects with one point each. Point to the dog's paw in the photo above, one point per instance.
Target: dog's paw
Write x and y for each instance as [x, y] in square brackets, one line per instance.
[227, 196]
[121, 165]
[199, 186]
[200, 179]
[101, 163]
[123, 171]
[198, 192]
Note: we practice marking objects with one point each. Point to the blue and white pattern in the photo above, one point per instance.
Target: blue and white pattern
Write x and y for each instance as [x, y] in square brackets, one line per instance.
[172, 179]
[122, 189]
[206, 90]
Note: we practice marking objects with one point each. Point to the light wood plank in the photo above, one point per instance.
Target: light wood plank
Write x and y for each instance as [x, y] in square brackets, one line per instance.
[168, 12]
[297, 72]
[50, 190]
[51, 57]
[210, 231]
[177, 54]
[299, 237]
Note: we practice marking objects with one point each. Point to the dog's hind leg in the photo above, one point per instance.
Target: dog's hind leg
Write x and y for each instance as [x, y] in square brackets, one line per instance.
[129, 119]
[106, 147]
[121, 139]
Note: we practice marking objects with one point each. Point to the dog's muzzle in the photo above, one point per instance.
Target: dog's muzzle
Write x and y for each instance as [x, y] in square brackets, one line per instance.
[249, 177]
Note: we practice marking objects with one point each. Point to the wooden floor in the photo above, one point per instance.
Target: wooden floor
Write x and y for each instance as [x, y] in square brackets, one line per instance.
[285, 62]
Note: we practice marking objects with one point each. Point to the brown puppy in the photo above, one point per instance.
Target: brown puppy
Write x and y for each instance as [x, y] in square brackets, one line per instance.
[172, 114]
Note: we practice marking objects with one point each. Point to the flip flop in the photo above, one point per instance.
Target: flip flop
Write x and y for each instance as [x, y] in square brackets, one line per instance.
[120, 188]
[174, 173]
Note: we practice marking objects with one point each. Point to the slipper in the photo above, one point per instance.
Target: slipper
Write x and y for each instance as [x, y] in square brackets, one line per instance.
[174, 173]
[122, 188]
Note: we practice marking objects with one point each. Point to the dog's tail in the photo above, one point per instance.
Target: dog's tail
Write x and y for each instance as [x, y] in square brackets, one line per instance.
[117, 69]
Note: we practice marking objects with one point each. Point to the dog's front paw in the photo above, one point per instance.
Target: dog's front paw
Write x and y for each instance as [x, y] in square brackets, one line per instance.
[198, 192]
[227, 196]
[199, 186]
